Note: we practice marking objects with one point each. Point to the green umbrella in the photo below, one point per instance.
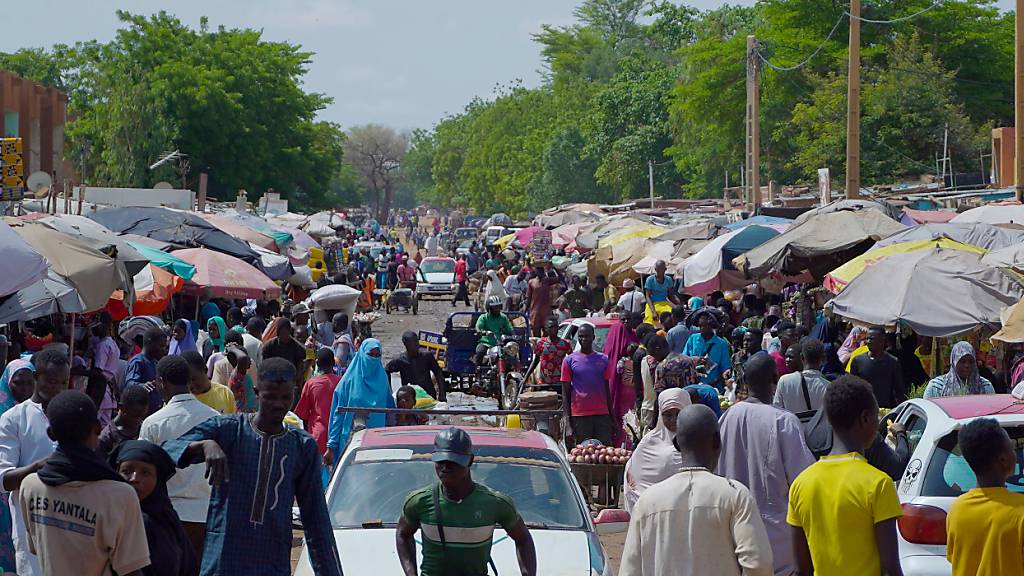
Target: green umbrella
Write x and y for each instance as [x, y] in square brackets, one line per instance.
[168, 262]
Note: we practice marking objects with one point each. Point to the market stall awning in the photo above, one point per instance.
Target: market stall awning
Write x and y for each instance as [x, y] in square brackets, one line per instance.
[154, 287]
[993, 214]
[1012, 331]
[818, 244]
[175, 227]
[50, 295]
[299, 238]
[760, 220]
[845, 205]
[712, 269]
[839, 278]
[93, 274]
[937, 292]
[165, 260]
[282, 237]
[977, 234]
[226, 276]
[915, 217]
[638, 231]
[274, 265]
[241, 231]
[99, 237]
[23, 266]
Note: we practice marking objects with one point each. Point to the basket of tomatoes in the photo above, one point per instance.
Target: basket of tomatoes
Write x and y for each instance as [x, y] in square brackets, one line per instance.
[598, 470]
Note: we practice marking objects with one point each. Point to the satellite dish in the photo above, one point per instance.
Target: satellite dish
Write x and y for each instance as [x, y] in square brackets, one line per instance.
[39, 183]
[163, 186]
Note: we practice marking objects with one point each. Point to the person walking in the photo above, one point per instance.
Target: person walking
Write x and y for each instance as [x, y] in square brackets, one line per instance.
[25, 445]
[843, 510]
[461, 278]
[551, 350]
[418, 367]
[457, 516]
[622, 394]
[538, 299]
[881, 369]
[985, 525]
[706, 344]
[188, 490]
[16, 386]
[763, 447]
[586, 399]
[696, 522]
[364, 385]
[81, 517]
[142, 368]
[804, 390]
[655, 458]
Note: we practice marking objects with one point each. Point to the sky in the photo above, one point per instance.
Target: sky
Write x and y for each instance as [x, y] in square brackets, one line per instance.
[402, 63]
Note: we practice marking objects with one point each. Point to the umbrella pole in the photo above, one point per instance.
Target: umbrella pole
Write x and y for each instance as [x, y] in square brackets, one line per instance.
[71, 355]
[197, 308]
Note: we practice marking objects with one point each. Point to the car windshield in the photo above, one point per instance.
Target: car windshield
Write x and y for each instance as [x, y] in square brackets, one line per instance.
[600, 335]
[949, 475]
[436, 266]
[375, 482]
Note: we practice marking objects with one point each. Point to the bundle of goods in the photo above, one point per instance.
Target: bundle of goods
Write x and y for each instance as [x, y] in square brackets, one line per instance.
[599, 455]
[599, 470]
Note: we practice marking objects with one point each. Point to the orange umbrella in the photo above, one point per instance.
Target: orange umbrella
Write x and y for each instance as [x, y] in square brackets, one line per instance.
[154, 287]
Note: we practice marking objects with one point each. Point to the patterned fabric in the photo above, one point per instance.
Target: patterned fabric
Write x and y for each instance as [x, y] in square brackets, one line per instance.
[551, 354]
[676, 371]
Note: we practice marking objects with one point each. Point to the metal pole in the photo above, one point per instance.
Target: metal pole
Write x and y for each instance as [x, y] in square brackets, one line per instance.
[650, 180]
[753, 123]
[853, 106]
[1018, 103]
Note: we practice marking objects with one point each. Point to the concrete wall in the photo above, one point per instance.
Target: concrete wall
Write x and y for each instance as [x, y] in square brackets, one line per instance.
[180, 199]
[37, 115]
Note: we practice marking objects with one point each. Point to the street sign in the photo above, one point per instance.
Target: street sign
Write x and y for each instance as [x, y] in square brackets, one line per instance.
[10, 146]
[12, 182]
[10, 160]
[12, 170]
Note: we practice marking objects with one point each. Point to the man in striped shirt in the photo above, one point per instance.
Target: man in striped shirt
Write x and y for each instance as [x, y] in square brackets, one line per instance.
[457, 542]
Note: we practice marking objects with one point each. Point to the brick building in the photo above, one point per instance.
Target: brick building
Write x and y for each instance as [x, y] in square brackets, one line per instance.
[36, 114]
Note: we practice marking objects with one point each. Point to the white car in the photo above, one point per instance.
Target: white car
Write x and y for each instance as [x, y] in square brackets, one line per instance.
[381, 466]
[937, 473]
[436, 278]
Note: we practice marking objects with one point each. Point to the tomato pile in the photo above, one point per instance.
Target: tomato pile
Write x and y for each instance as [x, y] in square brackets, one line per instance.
[599, 455]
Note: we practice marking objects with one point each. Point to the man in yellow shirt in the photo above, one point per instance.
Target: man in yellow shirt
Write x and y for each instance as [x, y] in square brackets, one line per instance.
[985, 526]
[843, 510]
[215, 395]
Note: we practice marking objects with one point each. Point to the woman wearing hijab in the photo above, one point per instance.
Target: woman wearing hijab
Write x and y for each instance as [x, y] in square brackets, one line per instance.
[16, 385]
[962, 379]
[216, 330]
[364, 385]
[620, 336]
[854, 341]
[494, 287]
[655, 457]
[147, 468]
[182, 339]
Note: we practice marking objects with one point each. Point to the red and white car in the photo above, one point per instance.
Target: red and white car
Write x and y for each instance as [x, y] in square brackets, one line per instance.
[381, 466]
[937, 472]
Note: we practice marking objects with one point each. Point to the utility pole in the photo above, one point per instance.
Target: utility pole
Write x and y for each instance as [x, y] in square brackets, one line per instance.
[753, 157]
[853, 106]
[1018, 103]
[650, 180]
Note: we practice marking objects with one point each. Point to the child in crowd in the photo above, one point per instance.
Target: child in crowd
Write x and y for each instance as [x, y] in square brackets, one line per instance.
[405, 397]
[214, 395]
[131, 411]
[985, 525]
[240, 382]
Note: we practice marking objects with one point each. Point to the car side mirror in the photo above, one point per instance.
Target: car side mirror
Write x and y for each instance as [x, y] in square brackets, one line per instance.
[612, 521]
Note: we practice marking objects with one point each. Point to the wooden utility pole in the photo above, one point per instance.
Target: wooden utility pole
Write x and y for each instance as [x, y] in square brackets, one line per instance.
[853, 107]
[1018, 104]
[754, 124]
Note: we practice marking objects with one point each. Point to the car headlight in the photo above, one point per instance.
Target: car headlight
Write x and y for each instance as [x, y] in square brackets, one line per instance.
[512, 349]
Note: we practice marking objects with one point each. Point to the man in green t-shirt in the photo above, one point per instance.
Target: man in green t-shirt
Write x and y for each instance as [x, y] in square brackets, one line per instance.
[457, 542]
[492, 326]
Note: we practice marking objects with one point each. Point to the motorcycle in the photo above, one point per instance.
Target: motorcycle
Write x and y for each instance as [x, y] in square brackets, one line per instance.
[501, 372]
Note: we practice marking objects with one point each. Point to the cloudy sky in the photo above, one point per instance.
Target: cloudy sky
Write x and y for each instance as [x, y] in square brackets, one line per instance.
[404, 63]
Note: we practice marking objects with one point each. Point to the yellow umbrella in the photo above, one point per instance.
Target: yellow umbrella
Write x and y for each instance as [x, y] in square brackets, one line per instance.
[638, 231]
[504, 240]
[837, 279]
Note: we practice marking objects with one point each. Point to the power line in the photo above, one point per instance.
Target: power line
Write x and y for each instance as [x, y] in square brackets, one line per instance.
[934, 5]
[809, 58]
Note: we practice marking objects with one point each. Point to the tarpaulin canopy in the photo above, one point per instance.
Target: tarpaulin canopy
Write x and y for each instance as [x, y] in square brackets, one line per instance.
[759, 220]
[839, 278]
[498, 219]
[564, 235]
[851, 205]
[299, 238]
[154, 287]
[977, 234]
[1008, 257]
[993, 214]
[241, 231]
[96, 235]
[938, 292]
[1012, 331]
[281, 237]
[701, 229]
[23, 266]
[92, 273]
[712, 269]
[569, 214]
[274, 265]
[50, 295]
[912, 217]
[168, 262]
[175, 227]
[638, 231]
[818, 244]
[226, 276]
[525, 235]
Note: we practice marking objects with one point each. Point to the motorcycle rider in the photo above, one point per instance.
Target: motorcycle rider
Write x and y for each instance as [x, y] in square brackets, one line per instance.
[492, 326]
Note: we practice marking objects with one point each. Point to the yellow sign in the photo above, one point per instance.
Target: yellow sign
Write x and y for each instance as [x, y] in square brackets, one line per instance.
[11, 171]
[12, 182]
[11, 194]
[10, 146]
[10, 160]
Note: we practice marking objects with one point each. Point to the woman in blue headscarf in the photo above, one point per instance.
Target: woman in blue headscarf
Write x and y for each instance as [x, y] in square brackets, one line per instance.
[182, 339]
[365, 385]
[16, 385]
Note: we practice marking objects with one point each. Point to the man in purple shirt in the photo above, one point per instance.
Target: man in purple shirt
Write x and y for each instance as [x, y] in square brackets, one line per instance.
[106, 357]
[585, 395]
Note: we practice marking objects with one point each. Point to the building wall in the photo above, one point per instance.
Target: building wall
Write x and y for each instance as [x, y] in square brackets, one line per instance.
[1003, 156]
[37, 115]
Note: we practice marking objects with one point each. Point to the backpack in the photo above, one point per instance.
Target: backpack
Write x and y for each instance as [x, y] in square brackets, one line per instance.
[816, 427]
